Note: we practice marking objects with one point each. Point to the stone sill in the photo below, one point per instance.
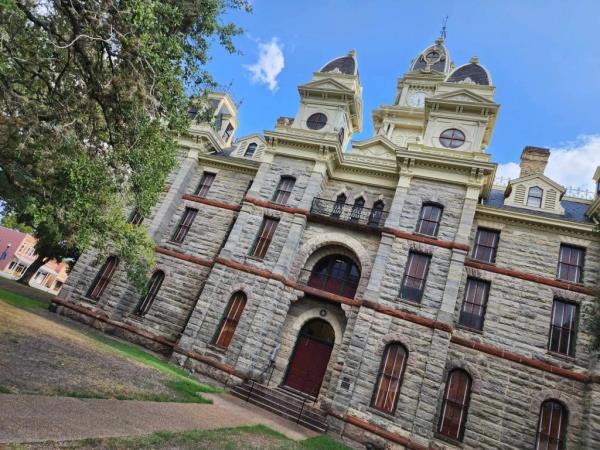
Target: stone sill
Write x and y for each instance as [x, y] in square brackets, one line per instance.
[255, 258]
[176, 244]
[89, 300]
[472, 330]
[425, 235]
[216, 348]
[574, 283]
[567, 358]
[385, 415]
[410, 302]
[448, 440]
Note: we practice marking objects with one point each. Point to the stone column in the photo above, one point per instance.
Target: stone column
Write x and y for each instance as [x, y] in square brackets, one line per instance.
[393, 218]
[169, 203]
[457, 258]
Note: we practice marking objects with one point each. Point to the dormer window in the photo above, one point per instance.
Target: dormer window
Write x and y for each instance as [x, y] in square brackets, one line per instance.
[249, 153]
[534, 197]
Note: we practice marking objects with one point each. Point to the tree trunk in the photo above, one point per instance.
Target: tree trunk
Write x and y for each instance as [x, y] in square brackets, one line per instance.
[39, 261]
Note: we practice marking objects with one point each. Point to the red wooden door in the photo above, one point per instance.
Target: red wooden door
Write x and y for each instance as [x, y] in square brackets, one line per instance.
[308, 365]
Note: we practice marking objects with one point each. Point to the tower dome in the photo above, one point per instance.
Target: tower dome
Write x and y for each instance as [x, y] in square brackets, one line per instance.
[344, 64]
[434, 57]
[472, 72]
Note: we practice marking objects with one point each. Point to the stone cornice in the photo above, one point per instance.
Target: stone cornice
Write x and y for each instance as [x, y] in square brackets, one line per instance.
[537, 220]
[238, 164]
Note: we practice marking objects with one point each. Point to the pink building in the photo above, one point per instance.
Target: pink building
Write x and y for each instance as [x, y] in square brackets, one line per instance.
[17, 252]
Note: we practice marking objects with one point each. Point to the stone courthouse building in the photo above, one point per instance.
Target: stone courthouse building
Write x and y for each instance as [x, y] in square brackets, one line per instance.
[386, 289]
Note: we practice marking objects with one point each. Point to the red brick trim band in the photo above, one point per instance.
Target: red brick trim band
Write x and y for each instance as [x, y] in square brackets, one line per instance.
[426, 240]
[184, 257]
[206, 201]
[336, 298]
[102, 317]
[276, 206]
[529, 277]
[430, 323]
[398, 439]
[510, 356]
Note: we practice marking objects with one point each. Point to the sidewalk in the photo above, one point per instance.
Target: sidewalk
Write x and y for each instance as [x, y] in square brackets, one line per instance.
[35, 418]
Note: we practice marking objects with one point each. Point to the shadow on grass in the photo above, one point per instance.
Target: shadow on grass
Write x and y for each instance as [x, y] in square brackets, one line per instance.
[246, 437]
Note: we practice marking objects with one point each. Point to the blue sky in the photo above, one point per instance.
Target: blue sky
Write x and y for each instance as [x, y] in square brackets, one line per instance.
[544, 57]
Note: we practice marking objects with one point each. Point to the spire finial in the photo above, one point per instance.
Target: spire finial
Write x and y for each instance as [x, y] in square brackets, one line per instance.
[443, 30]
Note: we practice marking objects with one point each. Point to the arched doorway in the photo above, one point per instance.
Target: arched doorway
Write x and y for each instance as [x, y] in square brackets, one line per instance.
[310, 357]
[337, 274]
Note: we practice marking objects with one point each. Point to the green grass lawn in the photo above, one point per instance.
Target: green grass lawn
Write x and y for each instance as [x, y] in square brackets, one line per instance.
[184, 388]
[20, 301]
[248, 437]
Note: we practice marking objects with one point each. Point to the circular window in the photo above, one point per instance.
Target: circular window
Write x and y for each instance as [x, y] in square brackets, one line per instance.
[316, 121]
[452, 138]
[432, 56]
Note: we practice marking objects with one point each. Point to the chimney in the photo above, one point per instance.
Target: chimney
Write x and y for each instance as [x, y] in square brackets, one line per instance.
[533, 161]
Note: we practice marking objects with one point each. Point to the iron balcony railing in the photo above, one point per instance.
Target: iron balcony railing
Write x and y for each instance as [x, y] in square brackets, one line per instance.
[343, 286]
[372, 217]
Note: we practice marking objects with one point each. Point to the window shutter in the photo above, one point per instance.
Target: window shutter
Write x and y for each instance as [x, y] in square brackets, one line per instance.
[520, 194]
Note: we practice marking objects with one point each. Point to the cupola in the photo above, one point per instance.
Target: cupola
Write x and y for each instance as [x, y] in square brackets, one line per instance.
[471, 73]
[433, 58]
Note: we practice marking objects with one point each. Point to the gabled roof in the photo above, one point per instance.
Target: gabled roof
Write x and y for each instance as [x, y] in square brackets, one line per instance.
[461, 95]
[542, 178]
[326, 84]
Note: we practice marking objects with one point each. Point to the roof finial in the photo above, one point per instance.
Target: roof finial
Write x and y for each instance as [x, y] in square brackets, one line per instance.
[443, 30]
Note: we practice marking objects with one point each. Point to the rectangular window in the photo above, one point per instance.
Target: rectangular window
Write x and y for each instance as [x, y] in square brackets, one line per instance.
[570, 263]
[103, 278]
[413, 283]
[230, 320]
[284, 190]
[265, 235]
[429, 220]
[486, 245]
[474, 304]
[563, 328]
[185, 225]
[205, 184]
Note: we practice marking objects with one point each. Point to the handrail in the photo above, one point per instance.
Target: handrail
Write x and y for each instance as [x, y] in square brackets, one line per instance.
[372, 217]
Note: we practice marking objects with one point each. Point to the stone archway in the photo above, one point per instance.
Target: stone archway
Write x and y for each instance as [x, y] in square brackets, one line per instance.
[310, 357]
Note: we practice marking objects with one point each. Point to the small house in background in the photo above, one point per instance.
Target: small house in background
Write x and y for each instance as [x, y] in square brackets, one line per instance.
[17, 252]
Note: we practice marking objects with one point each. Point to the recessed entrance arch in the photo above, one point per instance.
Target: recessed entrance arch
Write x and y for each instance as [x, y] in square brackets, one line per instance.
[310, 357]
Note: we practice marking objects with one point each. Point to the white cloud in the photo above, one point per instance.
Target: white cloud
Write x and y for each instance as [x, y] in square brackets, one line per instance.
[571, 164]
[269, 65]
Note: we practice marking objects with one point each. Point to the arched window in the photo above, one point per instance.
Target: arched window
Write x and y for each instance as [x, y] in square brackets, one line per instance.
[376, 213]
[552, 426]
[249, 153]
[534, 197]
[102, 278]
[336, 274]
[284, 189]
[389, 378]
[152, 289]
[455, 405]
[429, 219]
[230, 320]
[357, 209]
[338, 207]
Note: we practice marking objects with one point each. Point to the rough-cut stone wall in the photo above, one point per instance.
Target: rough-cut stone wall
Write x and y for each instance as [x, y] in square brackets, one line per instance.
[506, 395]
[536, 250]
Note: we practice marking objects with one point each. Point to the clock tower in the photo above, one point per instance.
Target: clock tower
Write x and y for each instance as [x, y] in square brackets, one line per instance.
[440, 107]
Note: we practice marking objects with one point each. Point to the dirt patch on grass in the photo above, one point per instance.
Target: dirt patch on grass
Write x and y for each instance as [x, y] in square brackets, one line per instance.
[39, 355]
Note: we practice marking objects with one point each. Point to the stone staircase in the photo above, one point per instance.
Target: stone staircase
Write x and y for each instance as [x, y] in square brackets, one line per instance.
[294, 407]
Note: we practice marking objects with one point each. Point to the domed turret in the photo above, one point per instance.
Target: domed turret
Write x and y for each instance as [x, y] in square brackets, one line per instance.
[433, 58]
[344, 64]
[471, 73]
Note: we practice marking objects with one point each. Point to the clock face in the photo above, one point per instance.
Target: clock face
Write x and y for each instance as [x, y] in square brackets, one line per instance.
[416, 99]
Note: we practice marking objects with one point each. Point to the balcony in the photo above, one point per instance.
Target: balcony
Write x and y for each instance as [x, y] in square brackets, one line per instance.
[342, 286]
[354, 215]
